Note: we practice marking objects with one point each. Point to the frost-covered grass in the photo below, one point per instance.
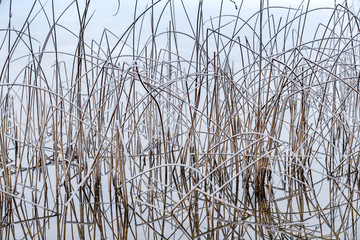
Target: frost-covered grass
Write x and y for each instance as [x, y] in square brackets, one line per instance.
[182, 125]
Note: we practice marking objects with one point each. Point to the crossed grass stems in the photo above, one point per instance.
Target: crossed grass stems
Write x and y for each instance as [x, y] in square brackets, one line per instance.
[250, 131]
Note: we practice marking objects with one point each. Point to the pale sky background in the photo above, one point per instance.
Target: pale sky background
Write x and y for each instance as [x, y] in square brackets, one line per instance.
[105, 14]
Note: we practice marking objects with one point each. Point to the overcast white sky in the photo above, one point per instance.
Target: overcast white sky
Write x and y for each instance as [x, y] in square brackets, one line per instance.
[104, 11]
[105, 14]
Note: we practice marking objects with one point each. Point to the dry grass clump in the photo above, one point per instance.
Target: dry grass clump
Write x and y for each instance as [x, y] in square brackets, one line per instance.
[219, 127]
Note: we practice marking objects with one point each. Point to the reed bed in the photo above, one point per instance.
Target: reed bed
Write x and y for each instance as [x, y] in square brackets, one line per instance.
[182, 125]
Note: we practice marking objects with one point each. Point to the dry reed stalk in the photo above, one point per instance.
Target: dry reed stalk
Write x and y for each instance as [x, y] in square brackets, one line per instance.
[229, 127]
